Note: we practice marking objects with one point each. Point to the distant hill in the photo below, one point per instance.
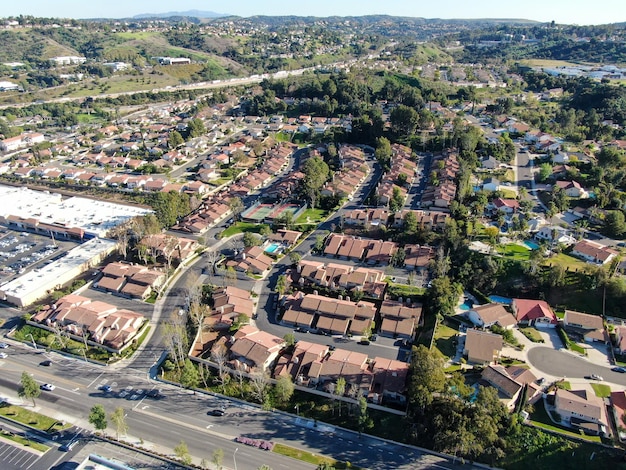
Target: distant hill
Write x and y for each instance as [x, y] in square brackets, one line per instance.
[188, 14]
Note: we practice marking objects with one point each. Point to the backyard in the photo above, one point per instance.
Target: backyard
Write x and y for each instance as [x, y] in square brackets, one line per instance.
[446, 340]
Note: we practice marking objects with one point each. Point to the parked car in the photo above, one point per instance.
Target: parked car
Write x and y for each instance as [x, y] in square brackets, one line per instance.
[300, 330]
[364, 342]
[155, 393]
[46, 363]
[621, 370]
[106, 388]
[595, 377]
[541, 381]
[3, 345]
[216, 412]
[47, 387]
[374, 337]
[3, 355]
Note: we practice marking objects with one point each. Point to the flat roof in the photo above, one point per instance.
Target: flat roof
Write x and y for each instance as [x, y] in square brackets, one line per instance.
[41, 278]
[94, 216]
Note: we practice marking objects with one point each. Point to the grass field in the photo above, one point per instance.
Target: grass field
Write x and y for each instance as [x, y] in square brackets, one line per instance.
[515, 251]
[568, 262]
[23, 441]
[601, 390]
[532, 334]
[445, 340]
[30, 418]
[311, 216]
[242, 227]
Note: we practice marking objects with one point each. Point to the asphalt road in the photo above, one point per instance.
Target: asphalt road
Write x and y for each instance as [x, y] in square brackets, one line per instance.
[565, 364]
[182, 415]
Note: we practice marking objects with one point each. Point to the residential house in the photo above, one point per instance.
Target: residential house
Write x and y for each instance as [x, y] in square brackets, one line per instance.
[418, 257]
[130, 280]
[594, 252]
[508, 206]
[482, 347]
[510, 382]
[256, 349]
[572, 189]
[590, 327]
[426, 220]
[252, 259]
[491, 184]
[399, 320]
[91, 320]
[534, 313]
[581, 409]
[618, 408]
[555, 234]
[487, 315]
[489, 163]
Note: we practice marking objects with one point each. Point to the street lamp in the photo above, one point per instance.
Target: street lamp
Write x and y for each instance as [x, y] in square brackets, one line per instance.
[297, 407]
[234, 458]
[33, 340]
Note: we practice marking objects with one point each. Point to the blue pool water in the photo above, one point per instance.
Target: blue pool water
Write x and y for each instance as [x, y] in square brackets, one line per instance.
[501, 300]
[467, 305]
[531, 245]
[272, 247]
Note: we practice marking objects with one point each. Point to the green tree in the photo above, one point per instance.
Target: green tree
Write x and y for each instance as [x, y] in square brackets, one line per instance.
[118, 418]
[29, 388]
[189, 377]
[284, 388]
[340, 390]
[426, 377]
[364, 421]
[290, 339]
[236, 207]
[196, 128]
[410, 222]
[397, 199]
[182, 452]
[615, 224]
[443, 296]
[404, 120]
[98, 417]
[281, 284]
[545, 172]
[251, 239]
[316, 173]
[383, 151]
[295, 258]
[175, 140]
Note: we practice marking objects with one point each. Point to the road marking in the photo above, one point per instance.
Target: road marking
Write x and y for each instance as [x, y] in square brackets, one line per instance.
[209, 426]
[95, 380]
[145, 407]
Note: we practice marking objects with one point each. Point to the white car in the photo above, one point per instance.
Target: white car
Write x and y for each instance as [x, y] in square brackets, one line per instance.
[3, 355]
[47, 387]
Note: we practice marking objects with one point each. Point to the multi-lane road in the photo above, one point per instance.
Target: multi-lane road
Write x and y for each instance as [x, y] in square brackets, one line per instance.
[182, 415]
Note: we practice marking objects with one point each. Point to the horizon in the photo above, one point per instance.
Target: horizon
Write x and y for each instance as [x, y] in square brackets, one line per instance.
[579, 12]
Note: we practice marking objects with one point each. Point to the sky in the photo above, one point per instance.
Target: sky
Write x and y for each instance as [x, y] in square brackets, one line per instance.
[582, 12]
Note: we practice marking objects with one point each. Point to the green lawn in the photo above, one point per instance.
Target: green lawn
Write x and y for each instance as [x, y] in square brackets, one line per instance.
[311, 216]
[24, 441]
[532, 334]
[308, 457]
[564, 384]
[601, 390]
[445, 340]
[568, 262]
[30, 418]
[515, 251]
[241, 227]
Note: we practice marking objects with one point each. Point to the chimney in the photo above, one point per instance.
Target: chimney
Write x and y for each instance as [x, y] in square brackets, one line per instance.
[348, 298]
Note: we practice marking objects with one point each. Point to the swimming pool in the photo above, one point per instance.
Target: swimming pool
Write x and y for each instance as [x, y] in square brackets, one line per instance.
[501, 300]
[531, 245]
[272, 248]
[467, 305]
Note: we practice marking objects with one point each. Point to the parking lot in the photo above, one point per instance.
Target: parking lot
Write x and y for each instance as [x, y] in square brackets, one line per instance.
[20, 251]
[13, 457]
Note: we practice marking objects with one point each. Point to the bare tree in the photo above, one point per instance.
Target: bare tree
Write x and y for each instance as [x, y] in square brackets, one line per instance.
[176, 339]
[259, 380]
[240, 373]
[219, 355]
[170, 246]
[204, 372]
[212, 257]
[122, 234]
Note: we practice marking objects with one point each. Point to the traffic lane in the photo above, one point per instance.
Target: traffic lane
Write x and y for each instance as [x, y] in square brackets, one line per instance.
[564, 364]
[202, 444]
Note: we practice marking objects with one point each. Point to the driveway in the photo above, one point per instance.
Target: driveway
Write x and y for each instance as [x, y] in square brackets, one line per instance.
[563, 363]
